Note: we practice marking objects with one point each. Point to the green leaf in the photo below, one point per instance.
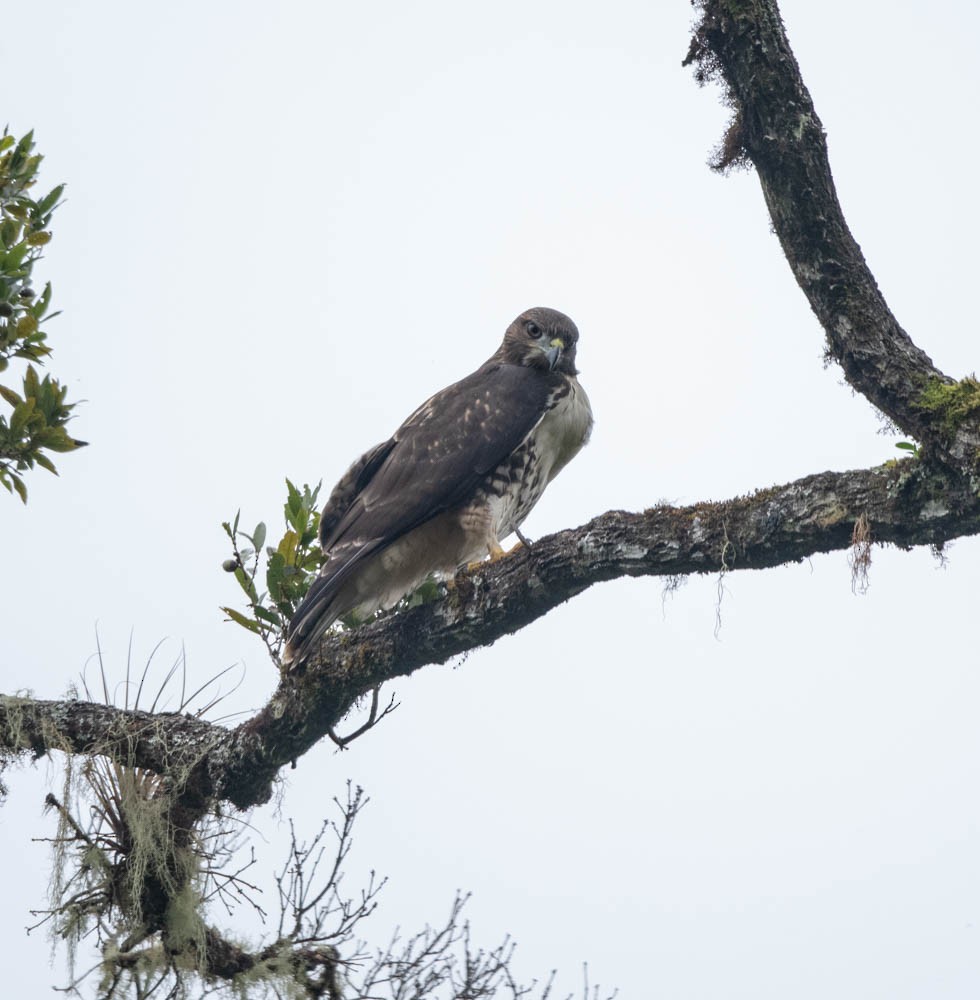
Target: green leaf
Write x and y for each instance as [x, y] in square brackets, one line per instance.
[247, 585]
[45, 462]
[311, 560]
[27, 325]
[56, 439]
[273, 575]
[906, 446]
[240, 619]
[287, 547]
[50, 200]
[15, 255]
[266, 615]
[312, 532]
[258, 536]
[19, 486]
[41, 306]
[32, 353]
[10, 396]
[9, 233]
[18, 210]
[301, 520]
[294, 504]
[22, 413]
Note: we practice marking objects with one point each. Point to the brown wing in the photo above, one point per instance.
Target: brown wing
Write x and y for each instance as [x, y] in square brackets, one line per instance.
[353, 481]
[439, 456]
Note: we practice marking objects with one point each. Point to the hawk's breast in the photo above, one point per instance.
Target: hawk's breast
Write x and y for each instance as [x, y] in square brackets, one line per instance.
[516, 485]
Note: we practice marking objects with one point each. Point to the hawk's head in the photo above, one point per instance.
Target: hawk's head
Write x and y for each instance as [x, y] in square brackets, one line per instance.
[541, 338]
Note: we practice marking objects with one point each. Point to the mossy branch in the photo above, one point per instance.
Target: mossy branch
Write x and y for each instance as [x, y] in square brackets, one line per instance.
[742, 44]
[906, 503]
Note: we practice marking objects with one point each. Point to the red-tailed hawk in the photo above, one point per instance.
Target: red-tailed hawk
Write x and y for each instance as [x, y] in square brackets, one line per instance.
[460, 474]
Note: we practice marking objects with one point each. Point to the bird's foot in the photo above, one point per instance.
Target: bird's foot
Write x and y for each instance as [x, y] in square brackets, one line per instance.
[493, 550]
[496, 552]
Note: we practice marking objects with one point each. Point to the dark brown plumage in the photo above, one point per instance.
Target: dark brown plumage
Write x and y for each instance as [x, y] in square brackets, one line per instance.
[460, 474]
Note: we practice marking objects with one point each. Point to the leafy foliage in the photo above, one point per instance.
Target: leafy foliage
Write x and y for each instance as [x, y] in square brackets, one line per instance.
[290, 567]
[38, 413]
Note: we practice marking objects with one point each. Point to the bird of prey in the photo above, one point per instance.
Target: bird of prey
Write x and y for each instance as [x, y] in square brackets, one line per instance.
[459, 475]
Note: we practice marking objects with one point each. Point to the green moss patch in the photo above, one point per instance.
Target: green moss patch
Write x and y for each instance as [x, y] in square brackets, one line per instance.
[951, 402]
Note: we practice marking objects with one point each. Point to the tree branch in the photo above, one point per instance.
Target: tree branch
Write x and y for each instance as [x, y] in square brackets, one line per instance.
[776, 127]
[906, 503]
[158, 741]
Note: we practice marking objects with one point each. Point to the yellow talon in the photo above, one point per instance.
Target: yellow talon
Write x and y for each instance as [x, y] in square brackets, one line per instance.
[496, 553]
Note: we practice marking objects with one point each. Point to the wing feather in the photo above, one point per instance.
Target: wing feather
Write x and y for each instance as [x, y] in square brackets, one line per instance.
[350, 485]
[444, 450]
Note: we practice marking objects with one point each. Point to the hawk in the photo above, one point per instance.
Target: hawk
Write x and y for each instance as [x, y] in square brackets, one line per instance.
[459, 475]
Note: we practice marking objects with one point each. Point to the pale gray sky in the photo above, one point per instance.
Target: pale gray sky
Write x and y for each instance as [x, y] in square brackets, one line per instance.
[287, 226]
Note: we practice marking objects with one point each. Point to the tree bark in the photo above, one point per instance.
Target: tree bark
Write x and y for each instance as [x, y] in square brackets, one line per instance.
[742, 44]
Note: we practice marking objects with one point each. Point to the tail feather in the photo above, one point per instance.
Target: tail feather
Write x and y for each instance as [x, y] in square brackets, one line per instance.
[313, 617]
[321, 607]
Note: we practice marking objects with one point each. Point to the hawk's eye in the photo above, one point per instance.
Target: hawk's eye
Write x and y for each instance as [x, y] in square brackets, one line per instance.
[533, 330]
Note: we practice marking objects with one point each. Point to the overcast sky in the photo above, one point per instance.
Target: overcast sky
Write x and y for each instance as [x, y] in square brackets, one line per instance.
[286, 226]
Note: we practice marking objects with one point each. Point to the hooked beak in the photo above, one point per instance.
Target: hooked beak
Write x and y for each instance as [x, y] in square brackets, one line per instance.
[553, 354]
